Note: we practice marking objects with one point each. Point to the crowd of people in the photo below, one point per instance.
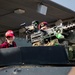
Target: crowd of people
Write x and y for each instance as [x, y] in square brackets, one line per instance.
[9, 35]
[43, 26]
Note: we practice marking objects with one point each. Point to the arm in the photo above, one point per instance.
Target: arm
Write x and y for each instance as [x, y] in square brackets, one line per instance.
[3, 45]
[72, 72]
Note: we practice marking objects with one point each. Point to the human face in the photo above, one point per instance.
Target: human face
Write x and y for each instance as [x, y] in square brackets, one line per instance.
[10, 39]
[44, 27]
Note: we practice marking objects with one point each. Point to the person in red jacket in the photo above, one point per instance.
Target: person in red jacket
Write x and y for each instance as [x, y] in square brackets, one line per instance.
[9, 36]
[43, 26]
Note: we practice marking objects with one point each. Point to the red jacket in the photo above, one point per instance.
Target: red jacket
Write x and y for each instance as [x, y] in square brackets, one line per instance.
[7, 45]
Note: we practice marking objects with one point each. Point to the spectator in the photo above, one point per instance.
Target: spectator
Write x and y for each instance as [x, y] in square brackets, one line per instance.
[9, 36]
[43, 26]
